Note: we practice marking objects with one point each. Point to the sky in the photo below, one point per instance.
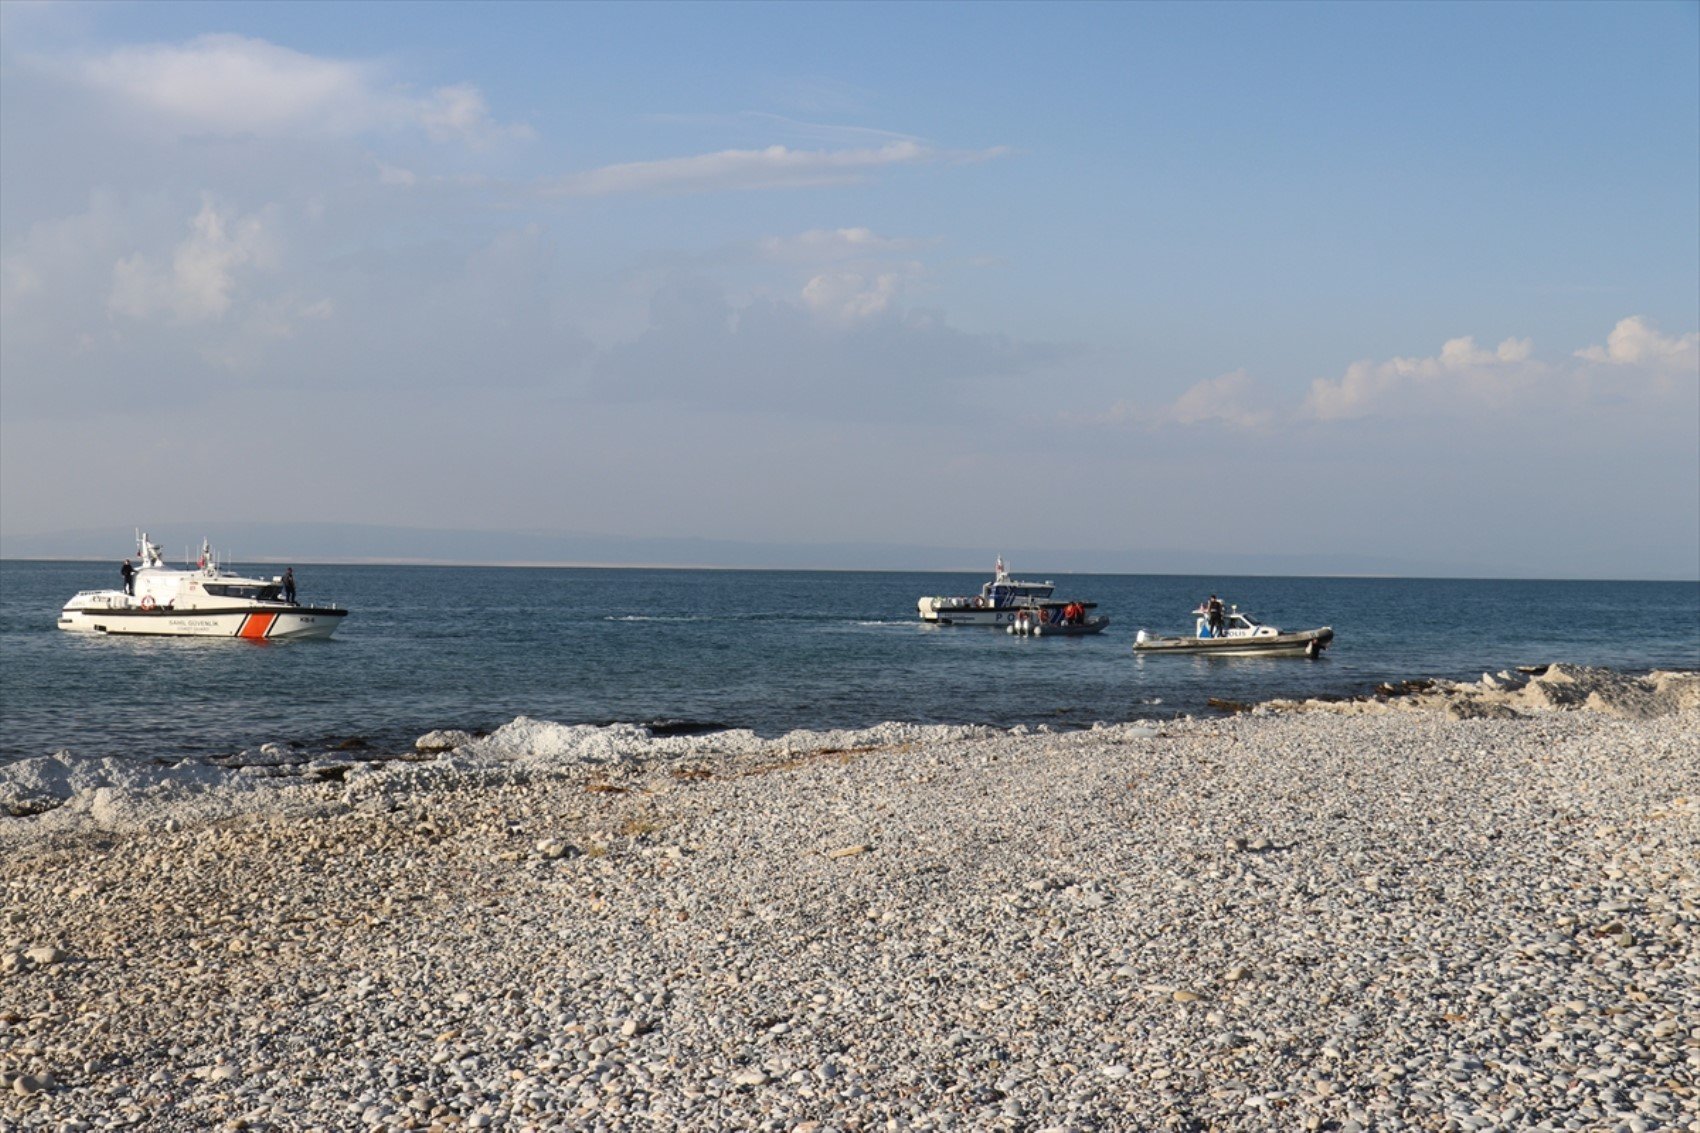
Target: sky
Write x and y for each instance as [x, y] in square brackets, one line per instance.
[1411, 283]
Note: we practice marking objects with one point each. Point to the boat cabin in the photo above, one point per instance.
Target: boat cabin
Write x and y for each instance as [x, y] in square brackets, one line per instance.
[1234, 624]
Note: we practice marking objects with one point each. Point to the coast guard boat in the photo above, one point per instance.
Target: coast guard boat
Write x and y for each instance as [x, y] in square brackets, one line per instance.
[198, 601]
[1241, 636]
[999, 603]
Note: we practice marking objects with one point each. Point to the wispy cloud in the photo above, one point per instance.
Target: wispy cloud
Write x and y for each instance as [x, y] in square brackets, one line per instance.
[845, 349]
[771, 125]
[775, 167]
[847, 296]
[239, 85]
[202, 277]
[1227, 400]
[831, 245]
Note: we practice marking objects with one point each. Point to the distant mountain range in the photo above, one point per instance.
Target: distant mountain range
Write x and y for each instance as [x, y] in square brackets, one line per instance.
[359, 543]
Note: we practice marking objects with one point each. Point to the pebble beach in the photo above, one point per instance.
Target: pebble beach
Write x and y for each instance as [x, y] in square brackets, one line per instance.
[1447, 907]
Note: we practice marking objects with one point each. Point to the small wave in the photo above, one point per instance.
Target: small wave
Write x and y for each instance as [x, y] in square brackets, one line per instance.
[654, 618]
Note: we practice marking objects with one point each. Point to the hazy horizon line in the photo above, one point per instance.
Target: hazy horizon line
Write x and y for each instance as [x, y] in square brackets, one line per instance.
[592, 565]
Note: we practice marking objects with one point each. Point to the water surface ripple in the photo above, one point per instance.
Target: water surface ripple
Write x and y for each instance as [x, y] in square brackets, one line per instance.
[473, 647]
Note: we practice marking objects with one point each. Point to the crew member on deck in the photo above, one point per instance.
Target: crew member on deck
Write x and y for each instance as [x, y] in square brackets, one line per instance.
[129, 574]
[1213, 611]
[289, 585]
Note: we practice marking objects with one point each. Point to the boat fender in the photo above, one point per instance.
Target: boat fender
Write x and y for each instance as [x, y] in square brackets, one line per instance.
[1037, 630]
[147, 602]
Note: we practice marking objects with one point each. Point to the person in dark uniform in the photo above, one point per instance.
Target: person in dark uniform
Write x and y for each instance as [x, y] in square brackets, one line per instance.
[129, 574]
[289, 584]
[1213, 611]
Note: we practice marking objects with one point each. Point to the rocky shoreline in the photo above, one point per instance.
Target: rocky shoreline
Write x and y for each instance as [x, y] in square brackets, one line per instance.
[1461, 906]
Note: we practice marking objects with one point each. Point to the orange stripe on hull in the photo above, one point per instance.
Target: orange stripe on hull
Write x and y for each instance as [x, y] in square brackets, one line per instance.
[256, 626]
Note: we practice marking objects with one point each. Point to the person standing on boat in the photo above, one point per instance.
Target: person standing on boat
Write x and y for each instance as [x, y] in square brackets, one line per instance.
[289, 585]
[129, 574]
[1213, 611]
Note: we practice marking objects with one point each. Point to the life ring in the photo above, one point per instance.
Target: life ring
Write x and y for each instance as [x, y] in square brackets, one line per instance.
[979, 601]
[147, 602]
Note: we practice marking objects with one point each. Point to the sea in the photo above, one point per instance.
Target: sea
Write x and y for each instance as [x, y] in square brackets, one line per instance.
[685, 651]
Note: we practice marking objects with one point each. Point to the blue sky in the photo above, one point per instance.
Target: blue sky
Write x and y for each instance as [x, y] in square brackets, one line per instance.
[1420, 282]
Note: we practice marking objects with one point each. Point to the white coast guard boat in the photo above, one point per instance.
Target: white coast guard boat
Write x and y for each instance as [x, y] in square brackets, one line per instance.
[1241, 635]
[198, 601]
[998, 604]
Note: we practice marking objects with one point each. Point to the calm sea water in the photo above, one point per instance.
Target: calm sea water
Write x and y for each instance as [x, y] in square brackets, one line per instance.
[473, 647]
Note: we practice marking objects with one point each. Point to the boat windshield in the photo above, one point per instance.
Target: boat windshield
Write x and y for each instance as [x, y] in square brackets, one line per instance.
[253, 593]
[1008, 593]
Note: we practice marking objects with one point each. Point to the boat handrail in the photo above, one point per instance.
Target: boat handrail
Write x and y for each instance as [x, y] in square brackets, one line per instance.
[107, 594]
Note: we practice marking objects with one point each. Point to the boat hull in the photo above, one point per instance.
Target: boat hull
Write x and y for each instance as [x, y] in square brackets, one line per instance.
[968, 612]
[1052, 629]
[1304, 643]
[250, 623]
[989, 617]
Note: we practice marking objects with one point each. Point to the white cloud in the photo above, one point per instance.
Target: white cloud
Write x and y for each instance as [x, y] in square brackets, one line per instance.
[202, 277]
[846, 351]
[853, 273]
[823, 245]
[848, 296]
[772, 168]
[278, 317]
[1637, 365]
[1219, 401]
[459, 113]
[1225, 400]
[395, 175]
[45, 263]
[232, 84]
[1461, 373]
[1635, 342]
[1636, 361]
[18, 278]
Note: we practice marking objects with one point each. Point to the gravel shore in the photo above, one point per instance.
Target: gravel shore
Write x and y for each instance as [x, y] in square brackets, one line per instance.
[1285, 919]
